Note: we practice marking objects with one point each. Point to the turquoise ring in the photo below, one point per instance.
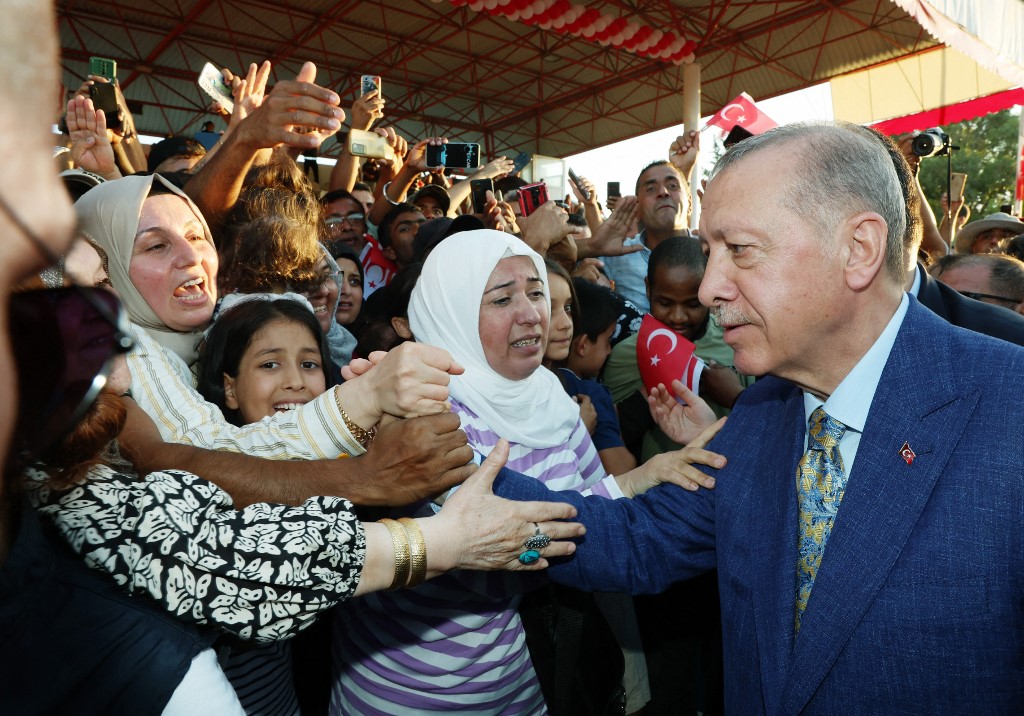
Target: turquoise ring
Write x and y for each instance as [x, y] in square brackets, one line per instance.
[529, 556]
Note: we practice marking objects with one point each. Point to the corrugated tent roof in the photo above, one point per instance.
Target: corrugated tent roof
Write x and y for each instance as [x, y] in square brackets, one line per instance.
[473, 76]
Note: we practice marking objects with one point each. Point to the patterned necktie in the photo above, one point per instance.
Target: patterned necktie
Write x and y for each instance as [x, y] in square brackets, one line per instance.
[820, 482]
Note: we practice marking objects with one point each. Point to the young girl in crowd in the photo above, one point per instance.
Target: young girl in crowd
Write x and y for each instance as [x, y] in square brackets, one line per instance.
[266, 353]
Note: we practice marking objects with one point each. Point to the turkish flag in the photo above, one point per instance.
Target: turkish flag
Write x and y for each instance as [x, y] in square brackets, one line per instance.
[742, 112]
[663, 356]
[378, 269]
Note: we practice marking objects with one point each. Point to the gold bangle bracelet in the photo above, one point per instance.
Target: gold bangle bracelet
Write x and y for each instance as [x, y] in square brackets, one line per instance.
[400, 540]
[363, 437]
[418, 550]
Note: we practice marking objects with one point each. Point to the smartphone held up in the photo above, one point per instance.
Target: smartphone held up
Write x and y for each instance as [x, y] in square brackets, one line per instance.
[453, 155]
[531, 197]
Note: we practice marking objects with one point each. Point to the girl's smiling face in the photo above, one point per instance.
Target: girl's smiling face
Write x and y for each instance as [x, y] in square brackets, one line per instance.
[280, 370]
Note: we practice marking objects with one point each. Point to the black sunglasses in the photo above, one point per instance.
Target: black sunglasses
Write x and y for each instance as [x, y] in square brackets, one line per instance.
[64, 341]
[982, 296]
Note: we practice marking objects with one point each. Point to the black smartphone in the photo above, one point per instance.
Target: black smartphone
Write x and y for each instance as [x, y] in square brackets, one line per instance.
[521, 160]
[104, 97]
[574, 178]
[478, 189]
[531, 197]
[613, 189]
[453, 155]
[102, 67]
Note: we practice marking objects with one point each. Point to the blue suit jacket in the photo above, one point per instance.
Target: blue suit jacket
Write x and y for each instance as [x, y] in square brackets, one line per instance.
[918, 606]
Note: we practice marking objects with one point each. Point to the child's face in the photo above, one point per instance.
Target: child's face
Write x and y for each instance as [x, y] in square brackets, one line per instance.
[588, 362]
[674, 300]
[280, 370]
[560, 327]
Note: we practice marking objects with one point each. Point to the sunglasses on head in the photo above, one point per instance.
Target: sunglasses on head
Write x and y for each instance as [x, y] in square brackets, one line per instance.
[64, 342]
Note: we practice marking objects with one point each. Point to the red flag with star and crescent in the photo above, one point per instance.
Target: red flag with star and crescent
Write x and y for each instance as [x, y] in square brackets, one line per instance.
[742, 112]
[663, 356]
[378, 269]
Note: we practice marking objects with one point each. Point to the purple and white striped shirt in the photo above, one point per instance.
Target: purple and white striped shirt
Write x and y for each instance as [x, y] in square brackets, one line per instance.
[455, 644]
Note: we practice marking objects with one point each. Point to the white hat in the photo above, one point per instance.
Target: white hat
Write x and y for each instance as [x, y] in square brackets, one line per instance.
[965, 238]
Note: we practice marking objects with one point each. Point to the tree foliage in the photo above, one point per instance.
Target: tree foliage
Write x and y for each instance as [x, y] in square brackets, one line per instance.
[988, 149]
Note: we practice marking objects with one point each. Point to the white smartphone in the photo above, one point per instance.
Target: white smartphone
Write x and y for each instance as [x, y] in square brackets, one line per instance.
[212, 82]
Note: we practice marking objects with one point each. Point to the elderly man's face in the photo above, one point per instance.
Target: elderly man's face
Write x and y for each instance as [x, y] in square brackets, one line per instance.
[769, 281]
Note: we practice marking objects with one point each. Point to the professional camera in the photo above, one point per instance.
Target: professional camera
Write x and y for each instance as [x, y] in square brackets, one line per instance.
[930, 143]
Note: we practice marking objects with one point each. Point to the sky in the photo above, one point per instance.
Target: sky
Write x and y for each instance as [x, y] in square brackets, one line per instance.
[623, 161]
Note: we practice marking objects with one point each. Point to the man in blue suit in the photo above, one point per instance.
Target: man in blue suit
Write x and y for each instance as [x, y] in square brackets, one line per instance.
[908, 538]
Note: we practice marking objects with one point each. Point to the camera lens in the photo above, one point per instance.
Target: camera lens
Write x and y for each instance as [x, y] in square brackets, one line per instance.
[930, 143]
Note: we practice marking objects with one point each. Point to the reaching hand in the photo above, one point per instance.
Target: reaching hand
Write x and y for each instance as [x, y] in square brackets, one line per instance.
[610, 236]
[494, 169]
[683, 153]
[412, 379]
[366, 110]
[546, 226]
[248, 92]
[90, 144]
[676, 467]
[588, 186]
[477, 530]
[681, 422]
[589, 269]
[297, 113]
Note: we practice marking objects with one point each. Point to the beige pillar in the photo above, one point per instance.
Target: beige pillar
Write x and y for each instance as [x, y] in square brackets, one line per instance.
[691, 120]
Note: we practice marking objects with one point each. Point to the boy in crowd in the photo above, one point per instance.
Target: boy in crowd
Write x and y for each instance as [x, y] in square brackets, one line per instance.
[673, 280]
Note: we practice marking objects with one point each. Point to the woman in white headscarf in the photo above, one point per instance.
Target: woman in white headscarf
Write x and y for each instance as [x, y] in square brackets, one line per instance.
[456, 644]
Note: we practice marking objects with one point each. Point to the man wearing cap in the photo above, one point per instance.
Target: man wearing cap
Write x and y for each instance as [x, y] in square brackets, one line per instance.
[987, 236]
[174, 154]
[433, 201]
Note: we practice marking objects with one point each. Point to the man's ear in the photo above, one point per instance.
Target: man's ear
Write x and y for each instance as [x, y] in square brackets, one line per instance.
[865, 238]
[389, 252]
[401, 326]
[229, 392]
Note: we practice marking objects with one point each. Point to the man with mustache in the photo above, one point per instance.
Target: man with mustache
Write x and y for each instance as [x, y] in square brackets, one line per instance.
[867, 530]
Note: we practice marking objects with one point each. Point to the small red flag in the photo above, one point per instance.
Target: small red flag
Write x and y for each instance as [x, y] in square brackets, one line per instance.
[907, 454]
[378, 269]
[663, 356]
[742, 112]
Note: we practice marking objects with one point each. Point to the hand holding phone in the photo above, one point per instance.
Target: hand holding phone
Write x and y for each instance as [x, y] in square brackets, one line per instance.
[574, 178]
[478, 190]
[368, 84]
[212, 82]
[531, 197]
[453, 155]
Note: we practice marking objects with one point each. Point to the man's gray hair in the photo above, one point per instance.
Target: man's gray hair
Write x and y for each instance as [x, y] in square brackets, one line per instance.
[844, 169]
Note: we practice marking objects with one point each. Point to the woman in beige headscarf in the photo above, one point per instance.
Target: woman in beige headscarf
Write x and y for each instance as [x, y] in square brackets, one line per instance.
[163, 263]
[160, 257]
